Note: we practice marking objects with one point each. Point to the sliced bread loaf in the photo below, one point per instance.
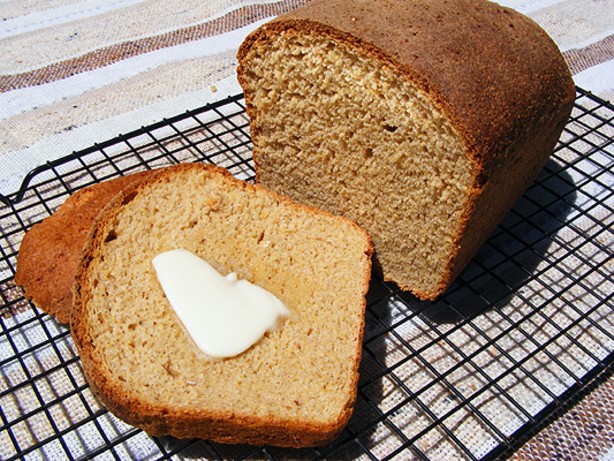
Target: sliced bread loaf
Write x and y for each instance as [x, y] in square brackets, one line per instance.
[50, 252]
[423, 121]
[294, 387]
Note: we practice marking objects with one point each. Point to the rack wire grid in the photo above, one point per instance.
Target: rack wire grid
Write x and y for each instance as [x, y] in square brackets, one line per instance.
[524, 332]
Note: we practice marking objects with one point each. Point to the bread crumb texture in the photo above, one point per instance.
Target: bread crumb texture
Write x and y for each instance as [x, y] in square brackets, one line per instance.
[298, 379]
[422, 121]
[367, 145]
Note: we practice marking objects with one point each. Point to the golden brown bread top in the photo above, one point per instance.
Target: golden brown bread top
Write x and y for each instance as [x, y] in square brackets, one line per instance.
[479, 61]
[50, 252]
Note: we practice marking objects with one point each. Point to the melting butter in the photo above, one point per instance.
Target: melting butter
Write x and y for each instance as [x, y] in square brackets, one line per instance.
[223, 315]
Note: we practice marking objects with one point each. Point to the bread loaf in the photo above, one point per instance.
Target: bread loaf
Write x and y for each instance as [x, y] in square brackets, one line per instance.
[51, 251]
[297, 385]
[423, 121]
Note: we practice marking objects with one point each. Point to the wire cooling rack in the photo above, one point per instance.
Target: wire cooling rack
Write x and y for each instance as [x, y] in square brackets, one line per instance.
[524, 332]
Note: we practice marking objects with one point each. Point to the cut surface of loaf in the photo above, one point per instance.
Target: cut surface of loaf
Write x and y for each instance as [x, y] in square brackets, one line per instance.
[50, 252]
[423, 121]
[294, 387]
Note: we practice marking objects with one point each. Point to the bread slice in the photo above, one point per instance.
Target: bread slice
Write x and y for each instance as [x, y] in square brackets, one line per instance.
[423, 121]
[50, 252]
[294, 387]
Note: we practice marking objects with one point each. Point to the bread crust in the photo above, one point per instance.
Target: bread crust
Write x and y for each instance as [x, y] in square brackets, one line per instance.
[493, 72]
[50, 252]
[486, 99]
[159, 419]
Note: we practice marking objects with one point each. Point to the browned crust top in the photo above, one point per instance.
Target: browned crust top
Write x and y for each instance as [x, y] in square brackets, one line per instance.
[492, 70]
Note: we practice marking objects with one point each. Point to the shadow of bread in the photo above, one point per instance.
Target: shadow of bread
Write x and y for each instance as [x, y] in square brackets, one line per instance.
[418, 360]
[512, 254]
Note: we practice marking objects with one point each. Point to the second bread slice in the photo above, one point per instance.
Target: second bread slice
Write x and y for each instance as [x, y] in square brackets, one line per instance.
[297, 385]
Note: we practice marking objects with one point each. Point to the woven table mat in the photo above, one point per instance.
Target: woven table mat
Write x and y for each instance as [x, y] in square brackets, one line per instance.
[584, 432]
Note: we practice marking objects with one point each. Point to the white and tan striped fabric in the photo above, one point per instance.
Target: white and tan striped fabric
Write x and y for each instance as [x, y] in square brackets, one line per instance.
[76, 72]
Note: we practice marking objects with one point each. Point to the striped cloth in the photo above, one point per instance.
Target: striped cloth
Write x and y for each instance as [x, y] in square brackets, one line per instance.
[76, 72]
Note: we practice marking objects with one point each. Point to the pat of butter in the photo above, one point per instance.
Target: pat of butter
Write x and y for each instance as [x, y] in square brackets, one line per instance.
[223, 315]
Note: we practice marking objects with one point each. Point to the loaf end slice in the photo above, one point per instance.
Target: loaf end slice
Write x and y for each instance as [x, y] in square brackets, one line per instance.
[297, 385]
[423, 121]
[50, 252]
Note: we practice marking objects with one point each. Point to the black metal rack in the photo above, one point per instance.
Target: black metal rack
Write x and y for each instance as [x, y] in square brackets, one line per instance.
[524, 332]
